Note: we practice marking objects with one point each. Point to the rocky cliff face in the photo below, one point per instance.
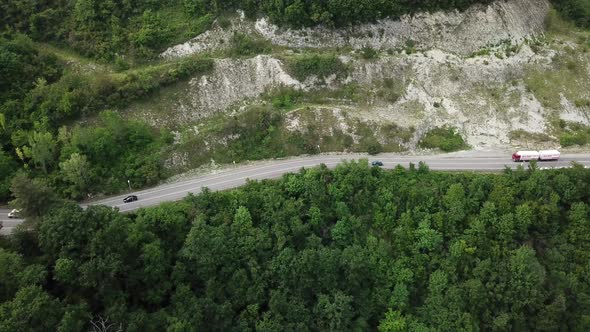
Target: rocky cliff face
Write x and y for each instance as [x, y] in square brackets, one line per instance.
[235, 80]
[485, 96]
[455, 32]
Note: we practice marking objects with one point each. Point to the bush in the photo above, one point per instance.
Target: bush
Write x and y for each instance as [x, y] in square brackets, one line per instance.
[410, 46]
[582, 103]
[374, 148]
[116, 151]
[318, 65]
[576, 10]
[120, 64]
[243, 45]
[368, 53]
[444, 138]
[576, 138]
[190, 67]
[284, 97]
[573, 133]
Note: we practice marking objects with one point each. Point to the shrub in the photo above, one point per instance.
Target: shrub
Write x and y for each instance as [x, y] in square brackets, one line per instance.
[576, 10]
[318, 65]
[444, 138]
[283, 97]
[190, 67]
[576, 138]
[243, 45]
[482, 52]
[224, 22]
[410, 46]
[368, 53]
[582, 103]
[575, 134]
[120, 64]
[374, 147]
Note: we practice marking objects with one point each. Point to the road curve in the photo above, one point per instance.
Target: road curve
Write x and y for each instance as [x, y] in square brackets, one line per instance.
[468, 161]
[235, 177]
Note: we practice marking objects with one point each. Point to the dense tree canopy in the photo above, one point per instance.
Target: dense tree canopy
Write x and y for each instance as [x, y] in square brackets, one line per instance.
[576, 10]
[356, 248]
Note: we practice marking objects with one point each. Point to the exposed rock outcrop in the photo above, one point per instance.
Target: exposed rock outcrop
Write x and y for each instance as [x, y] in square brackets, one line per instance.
[454, 31]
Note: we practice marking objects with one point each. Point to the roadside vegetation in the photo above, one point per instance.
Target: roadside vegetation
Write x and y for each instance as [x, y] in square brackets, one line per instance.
[447, 139]
[568, 134]
[572, 133]
[355, 248]
[525, 136]
[263, 132]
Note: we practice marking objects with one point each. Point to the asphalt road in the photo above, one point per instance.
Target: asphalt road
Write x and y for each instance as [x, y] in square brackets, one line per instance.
[7, 224]
[235, 177]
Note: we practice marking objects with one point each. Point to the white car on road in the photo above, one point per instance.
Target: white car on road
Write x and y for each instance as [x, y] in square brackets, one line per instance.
[14, 213]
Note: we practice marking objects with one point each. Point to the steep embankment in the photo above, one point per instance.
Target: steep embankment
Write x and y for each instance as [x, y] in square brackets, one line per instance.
[491, 72]
[455, 32]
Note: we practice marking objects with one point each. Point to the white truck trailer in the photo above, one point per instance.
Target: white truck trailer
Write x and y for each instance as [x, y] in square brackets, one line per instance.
[543, 155]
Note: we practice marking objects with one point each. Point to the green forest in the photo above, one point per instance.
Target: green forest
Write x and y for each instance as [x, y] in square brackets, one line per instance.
[354, 248]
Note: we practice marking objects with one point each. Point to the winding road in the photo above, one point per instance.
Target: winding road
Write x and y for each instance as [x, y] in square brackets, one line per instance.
[237, 176]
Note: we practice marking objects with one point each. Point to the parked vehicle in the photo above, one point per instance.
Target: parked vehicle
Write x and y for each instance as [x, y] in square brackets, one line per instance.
[543, 155]
[14, 213]
[129, 199]
[376, 163]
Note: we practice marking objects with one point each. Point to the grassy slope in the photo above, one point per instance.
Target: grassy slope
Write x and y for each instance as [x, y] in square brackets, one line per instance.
[568, 76]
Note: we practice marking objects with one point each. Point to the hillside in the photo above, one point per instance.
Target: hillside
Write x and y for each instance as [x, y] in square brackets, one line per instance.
[508, 75]
[497, 75]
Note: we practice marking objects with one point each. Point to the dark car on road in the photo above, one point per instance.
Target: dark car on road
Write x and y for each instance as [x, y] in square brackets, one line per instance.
[129, 199]
[376, 163]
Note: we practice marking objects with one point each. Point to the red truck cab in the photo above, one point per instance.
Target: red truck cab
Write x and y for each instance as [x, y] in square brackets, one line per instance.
[515, 157]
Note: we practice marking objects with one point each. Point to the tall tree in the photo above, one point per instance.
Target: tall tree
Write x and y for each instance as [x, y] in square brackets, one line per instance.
[76, 171]
[32, 196]
[41, 149]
